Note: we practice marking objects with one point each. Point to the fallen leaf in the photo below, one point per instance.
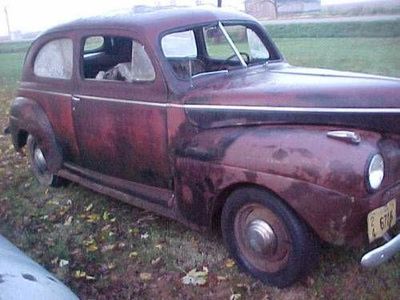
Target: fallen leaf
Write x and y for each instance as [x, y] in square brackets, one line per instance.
[106, 227]
[63, 263]
[92, 248]
[133, 254]
[89, 207]
[93, 218]
[158, 246]
[68, 221]
[145, 276]
[235, 296]
[106, 248]
[194, 277]
[156, 261]
[222, 278]
[106, 216]
[144, 236]
[89, 241]
[229, 263]
[79, 274]
[88, 277]
[111, 266]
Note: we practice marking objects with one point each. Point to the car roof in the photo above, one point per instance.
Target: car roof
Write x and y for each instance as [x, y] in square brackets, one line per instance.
[155, 21]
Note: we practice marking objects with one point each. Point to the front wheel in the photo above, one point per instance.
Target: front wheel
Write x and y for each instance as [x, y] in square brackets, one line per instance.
[266, 238]
[39, 165]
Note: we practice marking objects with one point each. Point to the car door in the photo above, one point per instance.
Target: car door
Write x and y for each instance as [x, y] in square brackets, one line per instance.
[120, 113]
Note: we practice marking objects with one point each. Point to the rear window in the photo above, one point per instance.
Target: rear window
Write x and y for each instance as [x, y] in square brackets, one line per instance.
[54, 60]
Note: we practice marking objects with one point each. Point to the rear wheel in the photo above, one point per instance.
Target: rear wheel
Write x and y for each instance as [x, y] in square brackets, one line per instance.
[39, 165]
[266, 238]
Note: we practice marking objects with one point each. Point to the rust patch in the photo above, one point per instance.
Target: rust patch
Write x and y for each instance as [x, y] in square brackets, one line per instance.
[280, 154]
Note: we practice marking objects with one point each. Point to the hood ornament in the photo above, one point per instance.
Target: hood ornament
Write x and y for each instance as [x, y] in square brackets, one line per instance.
[346, 136]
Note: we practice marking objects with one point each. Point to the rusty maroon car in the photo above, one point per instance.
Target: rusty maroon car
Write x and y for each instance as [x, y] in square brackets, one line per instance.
[195, 114]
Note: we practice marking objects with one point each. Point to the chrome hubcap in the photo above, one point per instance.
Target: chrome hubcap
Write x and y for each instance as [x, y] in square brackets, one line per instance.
[40, 161]
[261, 237]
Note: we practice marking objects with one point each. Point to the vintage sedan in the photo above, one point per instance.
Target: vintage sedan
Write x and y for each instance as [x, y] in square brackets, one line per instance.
[195, 114]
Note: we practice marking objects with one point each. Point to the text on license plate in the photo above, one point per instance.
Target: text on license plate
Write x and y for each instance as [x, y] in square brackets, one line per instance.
[381, 219]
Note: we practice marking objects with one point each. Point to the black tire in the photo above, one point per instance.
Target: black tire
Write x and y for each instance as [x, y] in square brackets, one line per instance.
[39, 165]
[279, 257]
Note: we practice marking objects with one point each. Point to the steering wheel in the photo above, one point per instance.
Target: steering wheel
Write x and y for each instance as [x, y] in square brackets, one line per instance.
[246, 57]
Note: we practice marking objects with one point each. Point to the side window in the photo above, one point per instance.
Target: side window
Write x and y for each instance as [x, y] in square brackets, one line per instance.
[181, 51]
[116, 58]
[179, 44]
[54, 60]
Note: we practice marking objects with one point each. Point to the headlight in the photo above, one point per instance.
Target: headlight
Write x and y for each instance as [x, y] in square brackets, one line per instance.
[376, 171]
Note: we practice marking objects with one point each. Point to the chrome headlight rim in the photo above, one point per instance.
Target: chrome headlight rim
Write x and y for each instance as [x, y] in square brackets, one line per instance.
[374, 159]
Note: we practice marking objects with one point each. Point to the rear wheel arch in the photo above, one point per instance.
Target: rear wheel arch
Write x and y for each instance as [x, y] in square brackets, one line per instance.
[28, 118]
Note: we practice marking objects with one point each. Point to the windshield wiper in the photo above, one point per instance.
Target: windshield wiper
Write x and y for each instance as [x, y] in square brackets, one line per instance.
[235, 50]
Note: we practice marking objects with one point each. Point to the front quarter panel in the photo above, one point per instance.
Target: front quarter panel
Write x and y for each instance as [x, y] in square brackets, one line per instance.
[321, 178]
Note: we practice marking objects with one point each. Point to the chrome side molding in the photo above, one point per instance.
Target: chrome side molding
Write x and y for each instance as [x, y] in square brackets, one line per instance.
[347, 136]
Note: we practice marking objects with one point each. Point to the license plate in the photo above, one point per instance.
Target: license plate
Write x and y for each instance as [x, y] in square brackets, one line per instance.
[381, 219]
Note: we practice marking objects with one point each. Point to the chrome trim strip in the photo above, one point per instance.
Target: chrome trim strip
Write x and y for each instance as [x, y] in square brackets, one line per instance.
[291, 109]
[158, 104]
[235, 107]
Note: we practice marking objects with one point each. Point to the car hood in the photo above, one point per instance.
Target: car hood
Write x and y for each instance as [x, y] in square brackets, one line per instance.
[284, 94]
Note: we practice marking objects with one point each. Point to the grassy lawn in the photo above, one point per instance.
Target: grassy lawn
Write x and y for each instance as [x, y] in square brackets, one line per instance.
[369, 55]
[105, 249]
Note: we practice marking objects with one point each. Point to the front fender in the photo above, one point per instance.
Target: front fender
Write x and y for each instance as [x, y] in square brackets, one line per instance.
[27, 117]
[301, 153]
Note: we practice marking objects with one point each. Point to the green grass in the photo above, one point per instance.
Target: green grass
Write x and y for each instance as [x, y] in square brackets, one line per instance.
[369, 55]
[36, 218]
[390, 28]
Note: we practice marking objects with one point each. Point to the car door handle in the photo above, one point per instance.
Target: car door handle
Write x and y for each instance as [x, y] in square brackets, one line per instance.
[76, 99]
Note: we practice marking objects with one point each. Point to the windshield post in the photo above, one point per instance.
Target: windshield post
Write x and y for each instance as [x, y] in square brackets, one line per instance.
[235, 50]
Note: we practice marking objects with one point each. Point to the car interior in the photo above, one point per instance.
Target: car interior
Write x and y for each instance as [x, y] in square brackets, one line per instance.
[189, 53]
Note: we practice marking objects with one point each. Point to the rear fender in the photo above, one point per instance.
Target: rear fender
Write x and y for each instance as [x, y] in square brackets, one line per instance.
[27, 117]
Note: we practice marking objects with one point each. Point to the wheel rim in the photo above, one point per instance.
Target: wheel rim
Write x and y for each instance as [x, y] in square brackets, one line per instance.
[262, 238]
[39, 160]
[39, 164]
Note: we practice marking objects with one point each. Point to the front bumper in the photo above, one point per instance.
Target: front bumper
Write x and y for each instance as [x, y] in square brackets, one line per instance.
[382, 254]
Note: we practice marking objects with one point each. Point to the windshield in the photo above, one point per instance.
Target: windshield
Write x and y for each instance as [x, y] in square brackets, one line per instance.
[214, 48]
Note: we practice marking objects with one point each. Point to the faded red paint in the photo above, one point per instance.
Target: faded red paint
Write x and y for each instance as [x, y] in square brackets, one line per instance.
[180, 161]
